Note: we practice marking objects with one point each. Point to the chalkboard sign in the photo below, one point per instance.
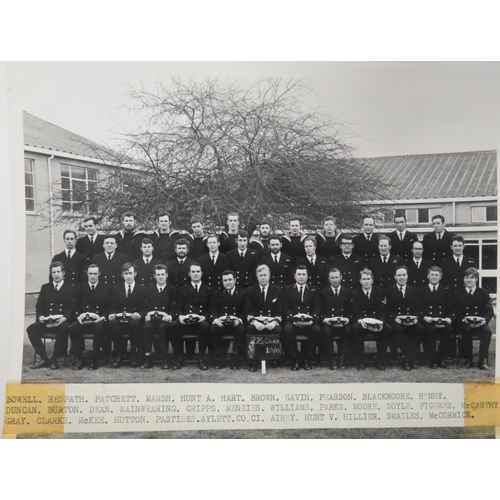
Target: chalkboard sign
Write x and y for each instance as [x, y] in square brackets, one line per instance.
[263, 346]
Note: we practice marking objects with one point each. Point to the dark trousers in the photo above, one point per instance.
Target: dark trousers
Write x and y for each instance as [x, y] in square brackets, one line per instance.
[290, 332]
[434, 333]
[37, 331]
[221, 346]
[201, 329]
[408, 338]
[160, 330]
[466, 334]
[326, 342]
[76, 332]
[119, 332]
[381, 338]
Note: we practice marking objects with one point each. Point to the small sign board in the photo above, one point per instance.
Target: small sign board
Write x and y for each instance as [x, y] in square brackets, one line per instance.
[263, 346]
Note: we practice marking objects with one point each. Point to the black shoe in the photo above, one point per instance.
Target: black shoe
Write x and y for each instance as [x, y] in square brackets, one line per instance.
[164, 365]
[380, 366]
[468, 364]
[116, 363]
[307, 366]
[361, 367]
[341, 363]
[232, 365]
[54, 365]
[93, 365]
[295, 366]
[443, 366]
[43, 363]
[148, 363]
[79, 364]
[221, 364]
[177, 364]
[484, 365]
[202, 366]
[406, 366]
[414, 365]
[433, 365]
[253, 367]
[332, 365]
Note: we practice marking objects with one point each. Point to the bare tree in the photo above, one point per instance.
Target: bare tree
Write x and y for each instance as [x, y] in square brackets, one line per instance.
[212, 147]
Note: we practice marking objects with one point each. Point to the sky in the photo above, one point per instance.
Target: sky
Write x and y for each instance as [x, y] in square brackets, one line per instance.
[389, 108]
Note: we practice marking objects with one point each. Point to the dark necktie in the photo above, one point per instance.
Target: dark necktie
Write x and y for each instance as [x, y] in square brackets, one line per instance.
[301, 291]
[312, 261]
[242, 255]
[92, 240]
[264, 293]
[368, 295]
[434, 288]
[385, 260]
[401, 289]
[56, 287]
[196, 288]
[438, 236]
[92, 287]
[161, 289]
[470, 292]
[129, 291]
[109, 256]
[69, 255]
[336, 292]
[213, 259]
[458, 262]
[417, 264]
[400, 236]
[275, 259]
[147, 262]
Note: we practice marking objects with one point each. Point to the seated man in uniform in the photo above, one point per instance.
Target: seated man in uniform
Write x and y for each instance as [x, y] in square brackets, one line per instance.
[474, 312]
[336, 319]
[437, 310]
[193, 301]
[263, 307]
[54, 308]
[301, 318]
[404, 317]
[369, 312]
[126, 313]
[161, 310]
[226, 315]
[91, 303]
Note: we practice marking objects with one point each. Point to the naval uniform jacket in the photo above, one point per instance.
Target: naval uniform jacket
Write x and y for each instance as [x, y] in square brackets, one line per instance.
[197, 246]
[51, 302]
[373, 307]
[318, 274]
[365, 248]
[129, 244]
[74, 268]
[145, 272]
[437, 250]
[417, 276]
[178, 273]
[350, 268]
[135, 302]
[282, 271]
[244, 267]
[110, 269]
[212, 272]
[89, 249]
[327, 246]
[191, 302]
[163, 302]
[438, 304]
[477, 304]
[453, 275]
[294, 246]
[383, 274]
[331, 305]
[92, 301]
[223, 303]
[295, 305]
[402, 248]
[397, 305]
[256, 306]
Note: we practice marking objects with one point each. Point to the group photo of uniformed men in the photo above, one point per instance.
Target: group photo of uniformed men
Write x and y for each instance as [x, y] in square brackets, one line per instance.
[164, 297]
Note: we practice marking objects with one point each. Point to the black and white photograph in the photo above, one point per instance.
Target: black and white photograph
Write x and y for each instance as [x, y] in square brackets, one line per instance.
[257, 223]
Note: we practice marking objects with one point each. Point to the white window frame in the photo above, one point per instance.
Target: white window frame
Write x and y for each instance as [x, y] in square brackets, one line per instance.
[31, 162]
[71, 179]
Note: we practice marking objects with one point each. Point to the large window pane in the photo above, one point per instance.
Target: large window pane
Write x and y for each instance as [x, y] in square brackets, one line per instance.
[489, 256]
[490, 284]
[64, 171]
[30, 205]
[491, 214]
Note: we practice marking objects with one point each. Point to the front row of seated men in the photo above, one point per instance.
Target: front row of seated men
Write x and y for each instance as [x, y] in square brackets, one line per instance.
[400, 317]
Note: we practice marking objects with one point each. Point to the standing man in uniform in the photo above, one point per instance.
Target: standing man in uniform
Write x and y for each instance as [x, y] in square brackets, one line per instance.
[128, 238]
[327, 239]
[110, 261]
[384, 264]
[74, 262]
[91, 303]
[317, 267]
[402, 239]
[198, 239]
[214, 263]
[229, 239]
[366, 243]
[279, 264]
[437, 245]
[454, 266]
[146, 264]
[91, 244]
[54, 310]
[178, 268]
[417, 266]
[164, 238]
[243, 261]
[347, 262]
[293, 242]
[260, 243]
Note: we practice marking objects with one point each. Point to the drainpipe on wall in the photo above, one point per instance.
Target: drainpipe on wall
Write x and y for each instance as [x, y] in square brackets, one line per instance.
[51, 208]
[453, 212]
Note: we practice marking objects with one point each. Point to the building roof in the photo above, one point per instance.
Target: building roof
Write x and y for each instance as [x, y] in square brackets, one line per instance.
[449, 175]
[42, 134]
